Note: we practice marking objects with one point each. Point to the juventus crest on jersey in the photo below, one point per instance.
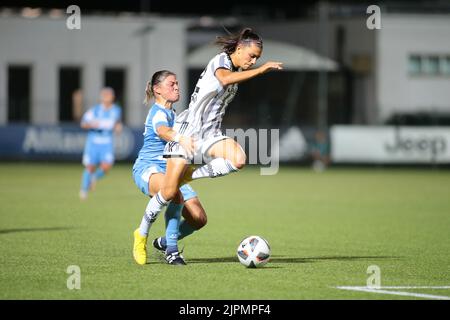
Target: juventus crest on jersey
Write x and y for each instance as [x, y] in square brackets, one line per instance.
[208, 102]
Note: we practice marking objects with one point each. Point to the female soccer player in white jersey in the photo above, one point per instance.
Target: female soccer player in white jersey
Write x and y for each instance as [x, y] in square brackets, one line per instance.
[149, 168]
[215, 89]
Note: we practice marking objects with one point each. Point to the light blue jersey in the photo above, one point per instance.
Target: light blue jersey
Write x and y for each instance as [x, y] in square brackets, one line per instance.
[99, 145]
[150, 158]
[152, 150]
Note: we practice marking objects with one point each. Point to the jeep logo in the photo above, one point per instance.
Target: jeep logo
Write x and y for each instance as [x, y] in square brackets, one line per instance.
[425, 145]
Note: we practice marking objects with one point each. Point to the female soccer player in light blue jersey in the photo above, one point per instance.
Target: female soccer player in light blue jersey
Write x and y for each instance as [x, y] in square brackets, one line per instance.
[149, 169]
[101, 121]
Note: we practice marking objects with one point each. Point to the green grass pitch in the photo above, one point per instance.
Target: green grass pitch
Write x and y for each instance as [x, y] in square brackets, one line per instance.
[325, 230]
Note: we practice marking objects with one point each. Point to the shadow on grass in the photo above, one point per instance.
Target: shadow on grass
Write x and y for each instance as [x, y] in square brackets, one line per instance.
[4, 231]
[283, 259]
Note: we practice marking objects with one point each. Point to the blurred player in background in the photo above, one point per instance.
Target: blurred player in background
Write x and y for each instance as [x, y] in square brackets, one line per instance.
[149, 169]
[215, 89]
[320, 151]
[101, 121]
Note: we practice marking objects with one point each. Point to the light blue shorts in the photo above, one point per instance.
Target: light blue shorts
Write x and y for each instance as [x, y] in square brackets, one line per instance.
[141, 176]
[94, 154]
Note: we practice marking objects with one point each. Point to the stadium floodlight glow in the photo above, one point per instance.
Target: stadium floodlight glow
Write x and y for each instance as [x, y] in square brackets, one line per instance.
[31, 13]
[207, 21]
[56, 13]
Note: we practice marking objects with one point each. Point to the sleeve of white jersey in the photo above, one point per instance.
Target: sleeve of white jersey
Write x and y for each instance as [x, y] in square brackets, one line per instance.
[220, 61]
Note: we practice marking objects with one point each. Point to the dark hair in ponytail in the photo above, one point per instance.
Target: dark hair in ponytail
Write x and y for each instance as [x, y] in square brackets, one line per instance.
[157, 78]
[231, 41]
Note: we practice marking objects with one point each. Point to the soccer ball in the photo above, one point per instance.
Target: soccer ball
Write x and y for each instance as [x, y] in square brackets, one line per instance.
[253, 252]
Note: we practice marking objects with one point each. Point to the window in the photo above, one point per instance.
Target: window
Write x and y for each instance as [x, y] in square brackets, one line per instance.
[415, 65]
[431, 65]
[70, 104]
[116, 79]
[19, 93]
[445, 65]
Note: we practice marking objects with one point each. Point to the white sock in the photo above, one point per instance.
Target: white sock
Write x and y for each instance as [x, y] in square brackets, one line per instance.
[154, 207]
[216, 168]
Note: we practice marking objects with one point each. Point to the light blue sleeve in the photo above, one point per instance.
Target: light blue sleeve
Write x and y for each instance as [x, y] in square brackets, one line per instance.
[160, 119]
[88, 116]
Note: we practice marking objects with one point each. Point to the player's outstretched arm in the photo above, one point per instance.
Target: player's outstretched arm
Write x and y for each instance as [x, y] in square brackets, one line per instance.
[118, 127]
[89, 125]
[227, 77]
[168, 134]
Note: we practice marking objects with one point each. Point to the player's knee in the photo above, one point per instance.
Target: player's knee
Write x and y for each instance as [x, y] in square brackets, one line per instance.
[106, 167]
[239, 165]
[169, 192]
[90, 168]
[201, 221]
[198, 222]
[178, 198]
[239, 161]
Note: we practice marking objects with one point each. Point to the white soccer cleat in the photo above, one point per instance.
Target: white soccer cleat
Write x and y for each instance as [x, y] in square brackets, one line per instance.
[83, 195]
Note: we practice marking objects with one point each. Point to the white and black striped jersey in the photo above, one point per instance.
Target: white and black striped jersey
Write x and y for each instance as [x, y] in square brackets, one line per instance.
[208, 102]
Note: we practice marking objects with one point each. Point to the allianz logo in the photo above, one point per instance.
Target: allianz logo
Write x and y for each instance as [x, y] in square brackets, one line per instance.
[56, 140]
[425, 145]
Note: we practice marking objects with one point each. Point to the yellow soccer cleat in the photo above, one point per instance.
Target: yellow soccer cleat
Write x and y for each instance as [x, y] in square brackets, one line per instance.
[140, 248]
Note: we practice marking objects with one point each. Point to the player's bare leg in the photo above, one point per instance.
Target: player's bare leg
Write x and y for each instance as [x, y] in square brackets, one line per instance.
[101, 171]
[157, 183]
[141, 234]
[174, 173]
[194, 214]
[228, 156]
[194, 219]
[86, 181]
[230, 150]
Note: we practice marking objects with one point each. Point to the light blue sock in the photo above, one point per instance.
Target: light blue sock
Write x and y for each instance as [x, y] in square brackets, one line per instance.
[86, 180]
[173, 215]
[99, 173]
[185, 229]
[166, 218]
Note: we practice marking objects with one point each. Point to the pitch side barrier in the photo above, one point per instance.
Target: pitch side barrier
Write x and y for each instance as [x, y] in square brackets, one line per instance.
[266, 147]
[390, 145]
[60, 143]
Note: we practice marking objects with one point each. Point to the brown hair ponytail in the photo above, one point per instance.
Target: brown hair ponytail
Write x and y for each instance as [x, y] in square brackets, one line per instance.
[230, 42]
[157, 78]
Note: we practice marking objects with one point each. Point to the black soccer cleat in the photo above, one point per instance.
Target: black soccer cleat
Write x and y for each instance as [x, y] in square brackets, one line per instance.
[158, 245]
[175, 258]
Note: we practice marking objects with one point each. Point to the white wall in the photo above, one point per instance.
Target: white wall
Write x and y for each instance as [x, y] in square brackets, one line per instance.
[401, 35]
[46, 44]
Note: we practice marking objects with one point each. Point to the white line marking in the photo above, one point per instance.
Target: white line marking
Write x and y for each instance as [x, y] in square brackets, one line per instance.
[400, 293]
[399, 287]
